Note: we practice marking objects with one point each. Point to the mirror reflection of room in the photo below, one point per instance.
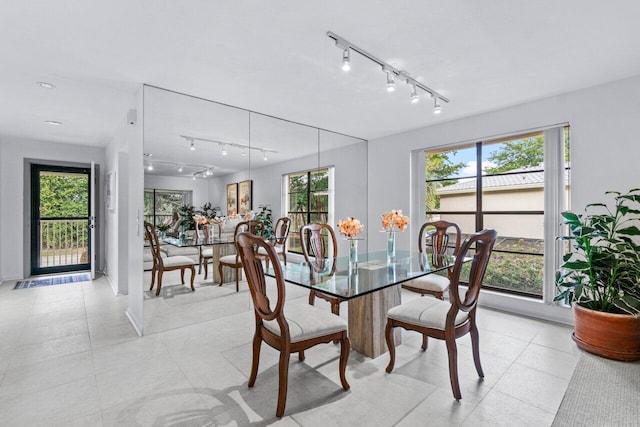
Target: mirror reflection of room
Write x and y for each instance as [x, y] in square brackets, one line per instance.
[210, 168]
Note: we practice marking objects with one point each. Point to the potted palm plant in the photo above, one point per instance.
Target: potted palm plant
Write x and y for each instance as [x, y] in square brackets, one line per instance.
[601, 276]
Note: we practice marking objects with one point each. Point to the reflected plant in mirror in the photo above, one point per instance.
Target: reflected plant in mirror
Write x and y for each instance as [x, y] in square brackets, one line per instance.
[265, 215]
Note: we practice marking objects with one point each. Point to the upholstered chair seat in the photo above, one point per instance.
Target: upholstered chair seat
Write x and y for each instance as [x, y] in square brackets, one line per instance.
[427, 312]
[431, 283]
[307, 321]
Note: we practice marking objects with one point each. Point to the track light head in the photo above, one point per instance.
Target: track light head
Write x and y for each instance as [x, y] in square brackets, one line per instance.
[414, 94]
[264, 156]
[194, 176]
[346, 60]
[180, 168]
[391, 82]
[192, 146]
[244, 152]
[224, 150]
[437, 109]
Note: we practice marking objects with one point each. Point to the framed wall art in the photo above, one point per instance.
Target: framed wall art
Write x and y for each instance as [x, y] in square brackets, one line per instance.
[245, 197]
[232, 199]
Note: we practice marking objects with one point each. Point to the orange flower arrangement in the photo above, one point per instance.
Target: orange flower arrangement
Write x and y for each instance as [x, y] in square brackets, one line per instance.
[350, 227]
[394, 220]
[200, 219]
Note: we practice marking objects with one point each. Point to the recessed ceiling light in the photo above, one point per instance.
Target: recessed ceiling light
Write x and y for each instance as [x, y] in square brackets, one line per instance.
[53, 122]
[46, 85]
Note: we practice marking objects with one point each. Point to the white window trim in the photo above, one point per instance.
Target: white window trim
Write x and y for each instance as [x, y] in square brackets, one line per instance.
[544, 309]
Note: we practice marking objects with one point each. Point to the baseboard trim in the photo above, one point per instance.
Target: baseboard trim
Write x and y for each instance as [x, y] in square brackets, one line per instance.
[138, 326]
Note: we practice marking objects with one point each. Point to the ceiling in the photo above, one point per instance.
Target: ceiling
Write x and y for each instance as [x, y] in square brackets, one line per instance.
[275, 58]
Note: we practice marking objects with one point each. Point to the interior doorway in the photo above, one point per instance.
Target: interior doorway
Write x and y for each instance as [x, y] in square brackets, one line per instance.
[60, 219]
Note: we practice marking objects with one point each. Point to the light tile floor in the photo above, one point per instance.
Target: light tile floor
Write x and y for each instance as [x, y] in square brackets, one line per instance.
[68, 357]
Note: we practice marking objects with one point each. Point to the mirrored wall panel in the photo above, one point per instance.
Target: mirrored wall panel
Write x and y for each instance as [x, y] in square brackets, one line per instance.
[203, 157]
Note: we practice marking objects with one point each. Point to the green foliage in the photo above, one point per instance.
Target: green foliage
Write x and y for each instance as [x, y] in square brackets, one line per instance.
[602, 271]
[208, 211]
[518, 154]
[64, 195]
[186, 215]
[439, 166]
[266, 217]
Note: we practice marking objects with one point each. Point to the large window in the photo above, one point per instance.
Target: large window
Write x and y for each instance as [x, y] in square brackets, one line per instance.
[159, 205]
[308, 200]
[504, 184]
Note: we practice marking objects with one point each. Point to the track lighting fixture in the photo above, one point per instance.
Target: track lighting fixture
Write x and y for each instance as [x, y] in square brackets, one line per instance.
[437, 109]
[264, 156]
[414, 95]
[194, 176]
[346, 60]
[224, 146]
[392, 73]
[391, 82]
[180, 168]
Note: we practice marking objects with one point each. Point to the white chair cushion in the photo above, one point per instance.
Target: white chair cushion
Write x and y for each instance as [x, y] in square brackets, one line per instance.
[430, 282]
[208, 252]
[229, 259]
[263, 251]
[174, 261]
[425, 311]
[306, 321]
[185, 251]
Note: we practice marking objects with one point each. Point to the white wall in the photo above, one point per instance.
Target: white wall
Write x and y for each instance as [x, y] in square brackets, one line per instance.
[15, 196]
[604, 152]
[117, 253]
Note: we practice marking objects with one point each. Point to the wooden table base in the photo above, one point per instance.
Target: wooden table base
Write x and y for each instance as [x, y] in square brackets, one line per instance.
[368, 318]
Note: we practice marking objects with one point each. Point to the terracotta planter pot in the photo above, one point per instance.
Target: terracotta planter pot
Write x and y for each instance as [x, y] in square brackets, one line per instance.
[614, 336]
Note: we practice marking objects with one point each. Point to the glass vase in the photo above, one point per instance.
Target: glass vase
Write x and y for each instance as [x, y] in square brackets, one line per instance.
[391, 246]
[353, 255]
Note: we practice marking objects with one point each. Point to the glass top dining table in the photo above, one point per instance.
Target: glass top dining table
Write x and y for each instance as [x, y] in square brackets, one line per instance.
[192, 241]
[373, 273]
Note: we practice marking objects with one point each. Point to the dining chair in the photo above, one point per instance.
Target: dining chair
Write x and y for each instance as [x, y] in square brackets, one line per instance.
[448, 320]
[162, 264]
[316, 254]
[281, 232]
[434, 239]
[295, 329]
[206, 252]
[233, 260]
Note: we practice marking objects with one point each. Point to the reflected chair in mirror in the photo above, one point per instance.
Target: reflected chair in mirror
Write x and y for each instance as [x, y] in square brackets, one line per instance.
[448, 320]
[233, 260]
[314, 239]
[434, 240]
[206, 252]
[281, 234]
[162, 264]
[295, 329]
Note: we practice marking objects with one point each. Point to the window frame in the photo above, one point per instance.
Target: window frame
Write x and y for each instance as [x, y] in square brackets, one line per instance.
[308, 212]
[555, 188]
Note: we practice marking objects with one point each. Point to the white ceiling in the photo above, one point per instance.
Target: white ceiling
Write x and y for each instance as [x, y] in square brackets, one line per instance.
[274, 57]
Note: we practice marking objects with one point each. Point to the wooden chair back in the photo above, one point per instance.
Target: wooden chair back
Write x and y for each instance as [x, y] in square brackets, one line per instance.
[154, 243]
[481, 243]
[281, 231]
[315, 250]
[247, 245]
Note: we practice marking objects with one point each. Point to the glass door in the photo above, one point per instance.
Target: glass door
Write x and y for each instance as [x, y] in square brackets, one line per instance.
[60, 219]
